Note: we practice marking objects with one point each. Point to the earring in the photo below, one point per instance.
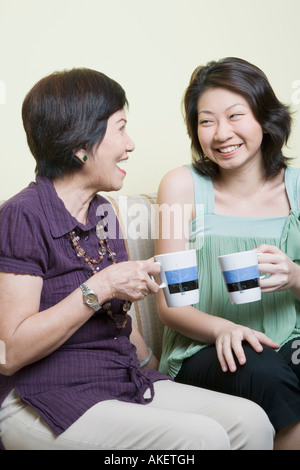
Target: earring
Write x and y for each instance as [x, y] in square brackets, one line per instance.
[84, 159]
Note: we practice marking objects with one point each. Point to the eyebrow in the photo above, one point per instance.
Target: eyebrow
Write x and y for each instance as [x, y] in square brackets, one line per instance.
[206, 111]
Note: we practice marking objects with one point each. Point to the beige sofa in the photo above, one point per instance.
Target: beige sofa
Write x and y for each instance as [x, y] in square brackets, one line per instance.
[137, 220]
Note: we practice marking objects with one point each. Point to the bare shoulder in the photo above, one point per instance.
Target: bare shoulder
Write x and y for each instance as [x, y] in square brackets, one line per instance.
[177, 186]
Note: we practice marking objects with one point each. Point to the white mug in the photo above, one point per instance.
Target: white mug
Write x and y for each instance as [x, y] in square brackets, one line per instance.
[241, 276]
[179, 277]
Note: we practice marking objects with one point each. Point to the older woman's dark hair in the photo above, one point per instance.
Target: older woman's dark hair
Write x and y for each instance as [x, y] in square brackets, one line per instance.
[239, 76]
[65, 112]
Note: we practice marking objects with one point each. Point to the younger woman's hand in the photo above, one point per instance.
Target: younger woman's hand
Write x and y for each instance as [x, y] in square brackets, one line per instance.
[284, 273]
[229, 344]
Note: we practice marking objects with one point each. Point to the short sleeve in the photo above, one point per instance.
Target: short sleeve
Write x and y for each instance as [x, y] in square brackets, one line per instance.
[22, 247]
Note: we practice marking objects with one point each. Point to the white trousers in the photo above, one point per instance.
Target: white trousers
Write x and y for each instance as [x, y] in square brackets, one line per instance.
[180, 417]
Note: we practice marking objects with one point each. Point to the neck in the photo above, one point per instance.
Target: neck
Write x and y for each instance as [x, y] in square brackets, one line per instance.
[75, 196]
[241, 181]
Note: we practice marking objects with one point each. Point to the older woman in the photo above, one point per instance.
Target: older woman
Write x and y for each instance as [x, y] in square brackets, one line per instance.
[72, 376]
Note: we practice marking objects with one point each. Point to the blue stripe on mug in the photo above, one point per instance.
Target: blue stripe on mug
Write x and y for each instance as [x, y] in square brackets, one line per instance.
[242, 274]
[176, 276]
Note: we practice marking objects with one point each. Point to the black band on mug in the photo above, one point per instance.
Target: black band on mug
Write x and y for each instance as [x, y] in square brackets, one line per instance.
[242, 285]
[183, 287]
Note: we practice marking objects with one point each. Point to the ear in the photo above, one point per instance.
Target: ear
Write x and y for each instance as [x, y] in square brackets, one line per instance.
[81, 155]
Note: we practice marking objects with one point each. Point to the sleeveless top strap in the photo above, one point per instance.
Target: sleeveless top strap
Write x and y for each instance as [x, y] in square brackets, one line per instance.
[203, 191]
[292, 185]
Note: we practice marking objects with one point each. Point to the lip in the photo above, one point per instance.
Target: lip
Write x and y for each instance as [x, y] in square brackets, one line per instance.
[233, 149]
[121, 169]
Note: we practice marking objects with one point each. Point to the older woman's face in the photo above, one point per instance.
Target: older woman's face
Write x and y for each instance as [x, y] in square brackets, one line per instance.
[105, 166]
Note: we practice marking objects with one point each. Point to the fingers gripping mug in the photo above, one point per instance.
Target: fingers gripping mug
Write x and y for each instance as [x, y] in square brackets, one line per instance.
[179, 277]
[241, 276]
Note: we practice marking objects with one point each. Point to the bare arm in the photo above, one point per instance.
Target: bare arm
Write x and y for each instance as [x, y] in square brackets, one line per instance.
[176, 195]
[142, 349]
[27, 333]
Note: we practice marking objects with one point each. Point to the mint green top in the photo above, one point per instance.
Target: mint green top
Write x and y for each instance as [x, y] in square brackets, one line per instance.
[276, 314]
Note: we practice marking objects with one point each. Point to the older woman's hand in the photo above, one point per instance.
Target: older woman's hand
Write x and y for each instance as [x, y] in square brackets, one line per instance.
[130, 280]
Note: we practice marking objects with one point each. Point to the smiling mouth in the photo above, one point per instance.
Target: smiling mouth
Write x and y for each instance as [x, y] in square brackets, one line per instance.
[229, 149]
[120, 164]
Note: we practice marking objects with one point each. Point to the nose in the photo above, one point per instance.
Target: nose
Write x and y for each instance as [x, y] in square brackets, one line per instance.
[223, 131]
[130, 145]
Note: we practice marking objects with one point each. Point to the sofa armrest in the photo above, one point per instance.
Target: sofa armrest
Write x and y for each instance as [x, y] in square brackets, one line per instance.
[137, 220]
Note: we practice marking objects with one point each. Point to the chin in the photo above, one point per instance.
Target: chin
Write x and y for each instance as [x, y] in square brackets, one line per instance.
[116, 186]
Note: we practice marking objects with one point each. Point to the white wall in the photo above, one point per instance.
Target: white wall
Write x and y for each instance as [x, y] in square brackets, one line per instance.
[151, 48]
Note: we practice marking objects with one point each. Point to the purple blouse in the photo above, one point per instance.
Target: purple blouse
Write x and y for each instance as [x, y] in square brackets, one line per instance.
[98, 362]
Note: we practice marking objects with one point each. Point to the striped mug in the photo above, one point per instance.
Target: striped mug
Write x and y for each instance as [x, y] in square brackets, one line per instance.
[241, 276]
[179, 277]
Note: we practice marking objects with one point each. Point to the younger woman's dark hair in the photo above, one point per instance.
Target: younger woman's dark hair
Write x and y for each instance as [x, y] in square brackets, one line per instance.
[65, 112]
[239, 76]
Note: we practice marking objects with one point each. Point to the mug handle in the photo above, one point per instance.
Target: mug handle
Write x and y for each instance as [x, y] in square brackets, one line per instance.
[262, 276]
[163, 284]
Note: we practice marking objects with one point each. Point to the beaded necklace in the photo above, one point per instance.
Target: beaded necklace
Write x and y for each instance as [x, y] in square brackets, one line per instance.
[92, 262]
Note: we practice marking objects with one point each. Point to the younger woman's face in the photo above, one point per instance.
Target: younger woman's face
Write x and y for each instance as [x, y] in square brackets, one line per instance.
[228, 132]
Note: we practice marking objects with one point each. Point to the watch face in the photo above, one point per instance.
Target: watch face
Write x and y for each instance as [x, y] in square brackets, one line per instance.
[91, 298]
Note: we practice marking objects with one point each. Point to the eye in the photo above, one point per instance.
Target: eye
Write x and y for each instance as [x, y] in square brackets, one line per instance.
[205, 122]
[121, 125]
[235, 116]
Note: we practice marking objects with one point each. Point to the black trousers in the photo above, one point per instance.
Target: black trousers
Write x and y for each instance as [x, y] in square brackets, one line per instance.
[270, 378]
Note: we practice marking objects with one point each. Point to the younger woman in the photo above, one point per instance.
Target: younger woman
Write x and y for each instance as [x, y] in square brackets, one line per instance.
[242, 196]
